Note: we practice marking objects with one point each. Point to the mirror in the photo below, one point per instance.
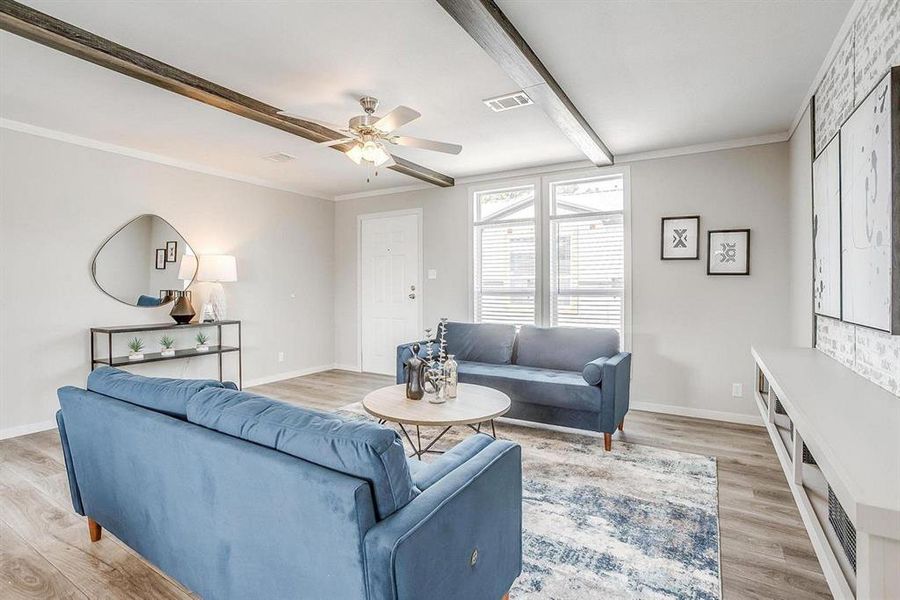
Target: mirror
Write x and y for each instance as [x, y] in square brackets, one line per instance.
[145, 263]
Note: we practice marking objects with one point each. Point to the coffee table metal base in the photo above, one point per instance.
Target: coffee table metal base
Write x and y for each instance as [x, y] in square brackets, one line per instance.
[418, 451]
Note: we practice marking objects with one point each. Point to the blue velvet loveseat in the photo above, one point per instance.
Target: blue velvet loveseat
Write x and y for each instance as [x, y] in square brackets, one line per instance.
[569, 376]
[241, 497]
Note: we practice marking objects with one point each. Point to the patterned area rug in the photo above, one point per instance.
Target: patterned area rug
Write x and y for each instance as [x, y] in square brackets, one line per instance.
[637, 522]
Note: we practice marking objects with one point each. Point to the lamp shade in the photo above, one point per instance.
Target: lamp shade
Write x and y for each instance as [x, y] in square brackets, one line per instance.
[188, 267]
[219, 268]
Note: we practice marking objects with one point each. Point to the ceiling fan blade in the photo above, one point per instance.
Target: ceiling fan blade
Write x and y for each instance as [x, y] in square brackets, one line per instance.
[415, 142]
[397, 118]
[336, 142]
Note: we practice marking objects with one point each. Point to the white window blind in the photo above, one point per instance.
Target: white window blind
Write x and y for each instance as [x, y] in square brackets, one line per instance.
[505, 242]
[587, 253]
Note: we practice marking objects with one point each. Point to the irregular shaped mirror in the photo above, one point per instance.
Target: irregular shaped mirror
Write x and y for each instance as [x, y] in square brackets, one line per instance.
[145, 263]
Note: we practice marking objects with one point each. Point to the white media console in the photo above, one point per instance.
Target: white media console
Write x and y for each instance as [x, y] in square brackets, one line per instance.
[837, 437]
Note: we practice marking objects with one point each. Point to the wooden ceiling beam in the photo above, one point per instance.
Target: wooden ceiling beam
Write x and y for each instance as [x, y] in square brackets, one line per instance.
[486, 24]
[59, 35]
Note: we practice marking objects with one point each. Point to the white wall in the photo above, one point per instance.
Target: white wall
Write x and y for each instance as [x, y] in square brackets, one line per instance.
[59, 202]
[800, 233]
[691, 333]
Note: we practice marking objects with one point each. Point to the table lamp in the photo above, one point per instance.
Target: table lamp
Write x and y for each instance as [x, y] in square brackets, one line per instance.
[216, 269]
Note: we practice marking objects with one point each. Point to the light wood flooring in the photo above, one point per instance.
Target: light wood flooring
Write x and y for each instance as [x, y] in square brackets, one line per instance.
[45, 551]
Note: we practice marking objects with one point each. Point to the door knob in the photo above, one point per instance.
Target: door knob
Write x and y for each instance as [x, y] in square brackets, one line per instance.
[412, 296]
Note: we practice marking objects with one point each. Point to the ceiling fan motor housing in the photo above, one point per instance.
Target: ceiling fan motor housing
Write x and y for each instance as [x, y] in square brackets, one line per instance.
[369, 104]
[363, 122]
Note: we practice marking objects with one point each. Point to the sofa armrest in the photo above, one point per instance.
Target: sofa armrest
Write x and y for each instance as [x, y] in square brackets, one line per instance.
[404, 351]
[613, 375]
[427, 549]
[433, 472]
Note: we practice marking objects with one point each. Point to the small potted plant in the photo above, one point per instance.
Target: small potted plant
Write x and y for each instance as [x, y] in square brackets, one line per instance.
[136, 345]
[202, 340]
[167, 343]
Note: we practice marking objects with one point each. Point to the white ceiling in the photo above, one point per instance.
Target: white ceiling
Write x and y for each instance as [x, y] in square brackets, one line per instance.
[646, 75]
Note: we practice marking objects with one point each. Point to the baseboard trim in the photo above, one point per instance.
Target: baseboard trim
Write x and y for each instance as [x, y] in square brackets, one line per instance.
[698, 413]
[11, 432]
[353, 368]
[287, 375]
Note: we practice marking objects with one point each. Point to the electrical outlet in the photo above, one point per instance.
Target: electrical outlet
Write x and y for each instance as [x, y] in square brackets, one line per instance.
[281, 357]
[737, 390]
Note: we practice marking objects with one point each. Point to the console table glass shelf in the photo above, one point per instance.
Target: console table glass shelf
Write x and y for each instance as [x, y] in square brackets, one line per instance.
[217, 349]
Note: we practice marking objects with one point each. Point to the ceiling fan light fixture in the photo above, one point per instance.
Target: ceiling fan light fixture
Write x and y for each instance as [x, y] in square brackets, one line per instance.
[355, 154]
[370, 151]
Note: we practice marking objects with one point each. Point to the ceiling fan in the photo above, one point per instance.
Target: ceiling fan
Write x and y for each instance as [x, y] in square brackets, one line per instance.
[370, 134]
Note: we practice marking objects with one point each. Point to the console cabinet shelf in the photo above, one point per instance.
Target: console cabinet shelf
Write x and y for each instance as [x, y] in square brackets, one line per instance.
[837, 437]
[217, 350]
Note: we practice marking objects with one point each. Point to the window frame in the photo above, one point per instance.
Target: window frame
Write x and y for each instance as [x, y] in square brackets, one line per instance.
[542, 182]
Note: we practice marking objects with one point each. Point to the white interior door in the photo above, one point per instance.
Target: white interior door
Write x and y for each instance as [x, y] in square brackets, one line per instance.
[391, 297]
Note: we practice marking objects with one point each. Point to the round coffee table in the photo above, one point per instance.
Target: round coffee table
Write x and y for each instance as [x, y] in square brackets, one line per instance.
[473, 406]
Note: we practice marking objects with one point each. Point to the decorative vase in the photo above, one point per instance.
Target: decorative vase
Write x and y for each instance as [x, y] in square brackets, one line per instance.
[135, 356]
[201, 348]
[451, 376]
[415, 369]
[435, 377]
[167, 352]
[183, 311]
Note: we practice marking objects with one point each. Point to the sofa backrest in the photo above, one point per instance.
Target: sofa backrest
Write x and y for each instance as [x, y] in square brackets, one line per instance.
[168, 396]
[481, 342]
[563, 348]
[362, 449]
[219, 514]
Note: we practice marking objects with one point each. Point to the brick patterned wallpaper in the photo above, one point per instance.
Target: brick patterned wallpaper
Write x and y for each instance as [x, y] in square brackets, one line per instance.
[869, 50]
[873, 354]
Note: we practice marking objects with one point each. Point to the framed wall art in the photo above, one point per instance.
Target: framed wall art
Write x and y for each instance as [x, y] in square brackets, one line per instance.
[728, 252]
[160, 258]
[171, 251]
[827, 231]
[870, 209]
[680, 238]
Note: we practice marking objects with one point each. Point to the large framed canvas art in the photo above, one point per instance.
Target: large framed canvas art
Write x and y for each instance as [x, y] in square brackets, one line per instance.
[870, 210]
[827, 231]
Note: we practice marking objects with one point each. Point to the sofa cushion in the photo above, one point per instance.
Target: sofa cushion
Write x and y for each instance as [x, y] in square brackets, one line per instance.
[548, 387]
[481, 342]
[563, 348]
[168, 396]
[360, 448]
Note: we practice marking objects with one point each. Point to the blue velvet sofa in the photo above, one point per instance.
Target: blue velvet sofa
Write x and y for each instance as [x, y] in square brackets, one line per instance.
[569, 376]
[238, 496]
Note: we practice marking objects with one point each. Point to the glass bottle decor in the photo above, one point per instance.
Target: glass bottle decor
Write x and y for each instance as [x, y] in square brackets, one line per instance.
[415, 368]
[451, 375]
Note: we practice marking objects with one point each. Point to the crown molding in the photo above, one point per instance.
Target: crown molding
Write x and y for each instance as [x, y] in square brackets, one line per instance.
[524, 172]
[77, 140]
[842, 34]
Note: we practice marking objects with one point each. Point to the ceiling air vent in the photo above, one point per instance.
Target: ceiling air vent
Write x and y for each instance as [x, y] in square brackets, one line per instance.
[279, 157]
[508, 101]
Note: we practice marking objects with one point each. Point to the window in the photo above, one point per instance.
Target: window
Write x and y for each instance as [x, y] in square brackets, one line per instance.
[505, 266]
[587, 252]
[551, 254]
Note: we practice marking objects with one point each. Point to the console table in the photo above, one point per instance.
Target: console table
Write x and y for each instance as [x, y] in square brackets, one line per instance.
[837, 437]
[119, 361]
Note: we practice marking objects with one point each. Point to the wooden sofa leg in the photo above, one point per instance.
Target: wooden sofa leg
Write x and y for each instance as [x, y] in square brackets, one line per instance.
[94, 530]
[607, 441]
[622, 425]
[505, 596]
